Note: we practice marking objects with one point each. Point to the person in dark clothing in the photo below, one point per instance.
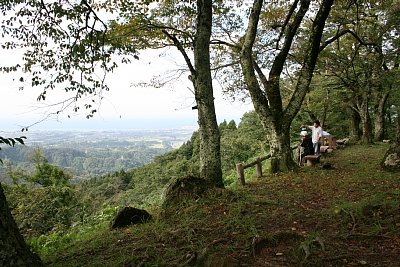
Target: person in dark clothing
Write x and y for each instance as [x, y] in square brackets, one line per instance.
[306, 143]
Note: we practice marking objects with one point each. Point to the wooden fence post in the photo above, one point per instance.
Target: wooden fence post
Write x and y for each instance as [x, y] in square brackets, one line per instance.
[240, 173]
[259, 168]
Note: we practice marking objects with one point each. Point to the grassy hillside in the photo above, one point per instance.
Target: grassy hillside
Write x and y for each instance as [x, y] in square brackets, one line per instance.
[48, 212]
[345, 216]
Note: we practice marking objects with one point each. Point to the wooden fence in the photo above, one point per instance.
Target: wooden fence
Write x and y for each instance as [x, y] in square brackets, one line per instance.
[240, 167]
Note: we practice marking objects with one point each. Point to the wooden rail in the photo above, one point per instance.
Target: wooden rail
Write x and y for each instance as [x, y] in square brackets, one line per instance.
[240, 167]
[331, 140]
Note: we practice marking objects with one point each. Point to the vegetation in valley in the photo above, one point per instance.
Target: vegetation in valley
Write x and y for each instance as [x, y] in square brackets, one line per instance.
[86, 155]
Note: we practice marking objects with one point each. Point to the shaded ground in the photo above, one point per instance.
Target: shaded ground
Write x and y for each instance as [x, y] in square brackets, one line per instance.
[345, 216]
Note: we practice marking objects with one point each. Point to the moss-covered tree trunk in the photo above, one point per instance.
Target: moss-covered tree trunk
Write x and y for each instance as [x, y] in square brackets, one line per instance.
[281, 153]
[379, 129]
[210, 154]
[354, 127]
[365, 119]
[13, 249]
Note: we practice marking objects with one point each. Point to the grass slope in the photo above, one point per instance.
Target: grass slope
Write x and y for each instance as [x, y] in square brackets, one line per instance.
[345, 216]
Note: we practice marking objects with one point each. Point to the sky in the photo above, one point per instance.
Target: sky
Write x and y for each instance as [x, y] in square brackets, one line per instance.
[124, 107]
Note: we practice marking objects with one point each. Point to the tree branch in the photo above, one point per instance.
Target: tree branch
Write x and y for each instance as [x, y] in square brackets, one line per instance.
[182, 50]
[247, 62]
[340, 34]
[220, 42]
[308, 66]
[225, 65]
[280, 59]
[291, 11]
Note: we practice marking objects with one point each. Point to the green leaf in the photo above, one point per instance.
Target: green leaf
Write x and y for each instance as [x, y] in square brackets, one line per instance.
[21, 140]
[5, 141]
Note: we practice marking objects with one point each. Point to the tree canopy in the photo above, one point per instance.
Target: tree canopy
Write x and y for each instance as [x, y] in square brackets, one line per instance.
[65, 47]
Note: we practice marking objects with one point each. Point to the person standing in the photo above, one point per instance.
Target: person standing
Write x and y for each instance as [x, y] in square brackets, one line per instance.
[316, 136]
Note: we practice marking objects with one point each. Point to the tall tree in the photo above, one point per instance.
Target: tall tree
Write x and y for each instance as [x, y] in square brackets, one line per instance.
[268, 103]
[210, 155]
[70, 41]
[187, 27]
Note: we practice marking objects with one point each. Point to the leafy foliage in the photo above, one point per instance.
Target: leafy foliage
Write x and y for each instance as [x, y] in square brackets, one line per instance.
[41, 210]
[47, 203]
[357, 71]
[11, 142]
[46, 174]
[65, 47]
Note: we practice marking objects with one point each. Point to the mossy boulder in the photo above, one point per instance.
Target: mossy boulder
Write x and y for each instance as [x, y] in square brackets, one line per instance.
[129, 216]
[185, 188]
[391, 161]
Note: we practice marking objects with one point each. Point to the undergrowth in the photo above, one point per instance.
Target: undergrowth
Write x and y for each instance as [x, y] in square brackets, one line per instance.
[347, 215]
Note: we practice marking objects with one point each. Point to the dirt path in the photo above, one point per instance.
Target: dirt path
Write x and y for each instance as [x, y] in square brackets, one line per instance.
[330, 217]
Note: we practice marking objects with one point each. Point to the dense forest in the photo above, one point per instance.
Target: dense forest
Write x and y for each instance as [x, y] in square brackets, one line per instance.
[297, 61]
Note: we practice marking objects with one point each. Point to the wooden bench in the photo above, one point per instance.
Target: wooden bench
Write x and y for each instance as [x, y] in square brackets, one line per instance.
[323, 149]
[312, 159]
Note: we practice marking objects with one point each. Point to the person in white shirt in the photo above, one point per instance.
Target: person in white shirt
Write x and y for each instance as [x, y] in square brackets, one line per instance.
[316, 136]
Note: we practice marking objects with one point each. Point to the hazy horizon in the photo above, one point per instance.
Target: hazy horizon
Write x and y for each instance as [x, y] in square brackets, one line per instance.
[102, 124]
[124, 106]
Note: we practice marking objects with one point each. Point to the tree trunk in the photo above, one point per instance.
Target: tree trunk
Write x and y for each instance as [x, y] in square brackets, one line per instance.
[365, 119]
[355, 121]
[379, 130]
[13, 249]
[268, 105]
[398, 129]
[366, 127]
[325, 109]
[210, 154]
[281, 153]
